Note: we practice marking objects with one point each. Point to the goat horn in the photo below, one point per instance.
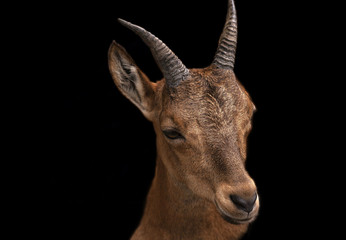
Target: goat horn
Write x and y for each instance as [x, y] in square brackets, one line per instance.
[172, 68]
[225, 54]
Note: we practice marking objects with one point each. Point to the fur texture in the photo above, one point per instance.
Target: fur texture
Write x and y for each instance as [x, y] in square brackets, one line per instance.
[201, 189]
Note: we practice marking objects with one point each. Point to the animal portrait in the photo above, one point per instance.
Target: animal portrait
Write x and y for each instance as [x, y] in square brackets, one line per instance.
[182, 119]
[202, 118]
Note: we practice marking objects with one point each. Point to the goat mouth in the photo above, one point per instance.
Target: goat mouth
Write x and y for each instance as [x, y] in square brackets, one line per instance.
[227, 217]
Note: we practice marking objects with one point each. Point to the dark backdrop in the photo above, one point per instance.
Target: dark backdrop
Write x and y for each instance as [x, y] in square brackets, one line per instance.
[101, 150]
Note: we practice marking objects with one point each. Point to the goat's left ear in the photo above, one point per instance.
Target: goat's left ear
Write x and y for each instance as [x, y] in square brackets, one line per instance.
[130, 80]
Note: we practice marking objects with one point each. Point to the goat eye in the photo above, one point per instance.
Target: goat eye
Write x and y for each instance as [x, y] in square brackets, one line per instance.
[172, 134]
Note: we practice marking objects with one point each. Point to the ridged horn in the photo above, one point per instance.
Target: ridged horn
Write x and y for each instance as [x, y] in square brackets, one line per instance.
[170, 65]
[225, 54]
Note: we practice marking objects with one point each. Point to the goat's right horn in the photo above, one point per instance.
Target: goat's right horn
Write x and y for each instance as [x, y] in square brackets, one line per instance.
[225, 54]
[170, 65]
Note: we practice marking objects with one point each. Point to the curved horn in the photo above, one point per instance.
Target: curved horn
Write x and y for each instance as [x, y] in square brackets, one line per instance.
[172, 68]
[225, 54]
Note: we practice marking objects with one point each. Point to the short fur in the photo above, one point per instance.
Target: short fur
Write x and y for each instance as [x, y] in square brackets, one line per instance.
[199, 172]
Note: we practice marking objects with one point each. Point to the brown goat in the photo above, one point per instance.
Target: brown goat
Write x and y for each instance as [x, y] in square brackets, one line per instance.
[202, 118]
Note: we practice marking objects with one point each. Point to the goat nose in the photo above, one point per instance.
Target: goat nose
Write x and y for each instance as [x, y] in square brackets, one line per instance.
[244, 204]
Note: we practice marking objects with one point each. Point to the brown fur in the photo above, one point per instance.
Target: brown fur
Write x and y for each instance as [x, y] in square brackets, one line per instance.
[201, 171]
[196, 175]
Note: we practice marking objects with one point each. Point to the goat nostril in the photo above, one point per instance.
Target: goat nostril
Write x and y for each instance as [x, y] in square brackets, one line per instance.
[244, 204]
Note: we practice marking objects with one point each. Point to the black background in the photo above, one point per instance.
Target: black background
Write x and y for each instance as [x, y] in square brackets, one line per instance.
[100, 150]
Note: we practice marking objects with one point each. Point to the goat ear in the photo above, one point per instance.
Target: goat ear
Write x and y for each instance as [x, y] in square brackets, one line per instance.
[130, 80]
